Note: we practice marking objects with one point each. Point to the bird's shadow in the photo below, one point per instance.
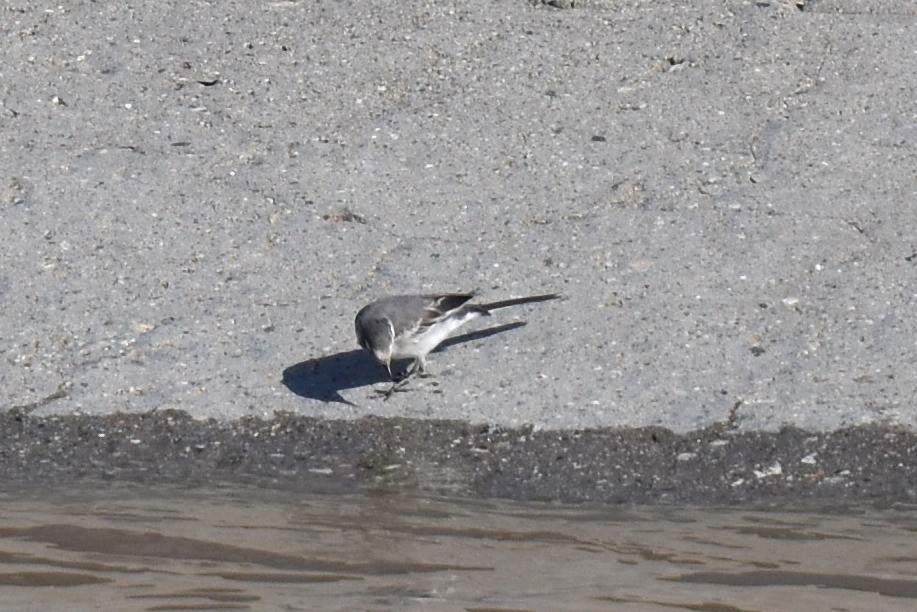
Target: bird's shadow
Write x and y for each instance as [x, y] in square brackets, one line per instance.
[325, 377]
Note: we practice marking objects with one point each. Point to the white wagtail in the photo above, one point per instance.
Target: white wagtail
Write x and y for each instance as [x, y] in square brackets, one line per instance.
[410, 326]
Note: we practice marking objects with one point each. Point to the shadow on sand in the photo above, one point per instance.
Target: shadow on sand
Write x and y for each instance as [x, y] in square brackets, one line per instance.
[325, 377]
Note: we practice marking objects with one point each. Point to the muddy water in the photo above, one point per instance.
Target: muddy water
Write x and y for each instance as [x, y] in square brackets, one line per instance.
[133, 548]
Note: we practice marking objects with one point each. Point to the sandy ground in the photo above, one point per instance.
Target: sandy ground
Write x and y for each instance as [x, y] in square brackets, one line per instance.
[197, 197]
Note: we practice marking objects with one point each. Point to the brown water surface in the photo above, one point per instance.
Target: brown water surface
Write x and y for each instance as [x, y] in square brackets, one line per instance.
[141, 548]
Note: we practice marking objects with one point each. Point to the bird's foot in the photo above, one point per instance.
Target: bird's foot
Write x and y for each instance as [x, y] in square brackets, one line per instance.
[397, 387]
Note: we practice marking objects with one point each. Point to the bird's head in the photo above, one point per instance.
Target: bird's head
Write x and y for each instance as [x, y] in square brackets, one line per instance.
[377, 337]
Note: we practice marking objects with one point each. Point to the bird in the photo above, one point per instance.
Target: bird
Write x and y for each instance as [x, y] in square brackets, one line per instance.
[411, 326]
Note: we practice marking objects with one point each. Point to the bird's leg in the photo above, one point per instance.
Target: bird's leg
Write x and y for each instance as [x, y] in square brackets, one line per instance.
[398, 381]
[417, 366]
[421, 368]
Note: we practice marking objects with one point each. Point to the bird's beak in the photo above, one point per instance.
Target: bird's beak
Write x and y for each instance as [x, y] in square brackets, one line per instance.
[385, 360]
[388, 367]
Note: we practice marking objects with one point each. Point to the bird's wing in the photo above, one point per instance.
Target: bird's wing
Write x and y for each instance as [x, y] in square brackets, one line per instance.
[441, 306]
[410, 314]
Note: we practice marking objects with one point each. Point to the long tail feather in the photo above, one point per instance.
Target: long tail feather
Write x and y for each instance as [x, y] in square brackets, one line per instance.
[517, 301]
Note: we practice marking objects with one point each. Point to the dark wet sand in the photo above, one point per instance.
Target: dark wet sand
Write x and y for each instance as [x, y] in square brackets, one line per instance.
[716, 465]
